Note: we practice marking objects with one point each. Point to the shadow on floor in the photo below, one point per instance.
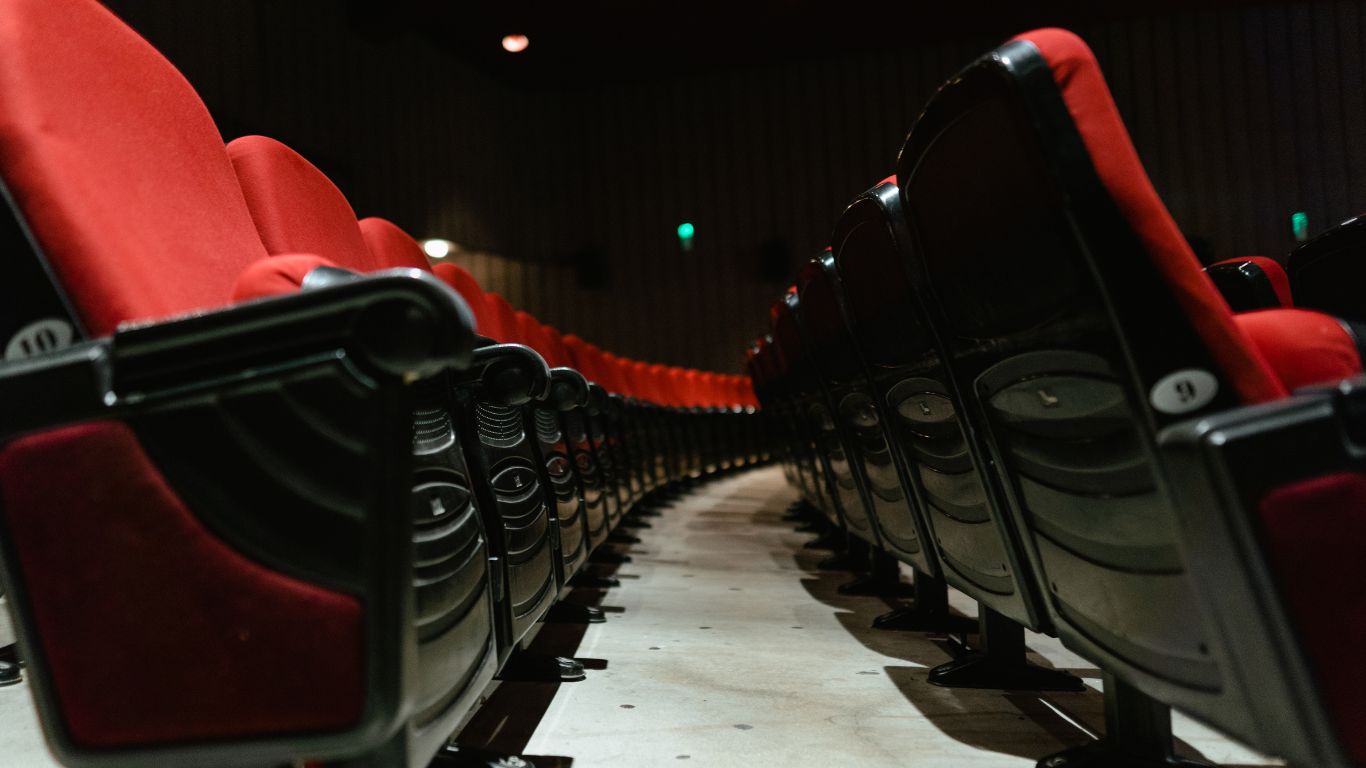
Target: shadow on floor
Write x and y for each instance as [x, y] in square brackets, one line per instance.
[1012, 723]
[506, 721]
[1019, 723]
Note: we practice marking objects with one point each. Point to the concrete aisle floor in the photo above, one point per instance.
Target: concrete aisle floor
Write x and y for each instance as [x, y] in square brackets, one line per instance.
[724, 646]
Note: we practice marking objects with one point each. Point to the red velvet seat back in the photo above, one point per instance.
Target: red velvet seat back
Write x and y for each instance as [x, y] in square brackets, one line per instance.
[559, 353]
[116, 166]
[502, 319]
[663, 388]
[644, 382]
[297, 209]
[533, 334]
[390, 246]
[579, 357]
[1116, 162]
[614, 373]
[677, 379]
[464, 283]
[152, 629]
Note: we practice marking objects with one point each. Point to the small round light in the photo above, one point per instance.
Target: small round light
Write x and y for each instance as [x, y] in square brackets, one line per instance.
[437, 248]
[686, 230]
[515, 43]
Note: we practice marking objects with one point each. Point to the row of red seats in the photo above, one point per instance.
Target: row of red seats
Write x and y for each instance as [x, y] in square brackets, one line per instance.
[653, 383]
[1010, 373]
[272, 490]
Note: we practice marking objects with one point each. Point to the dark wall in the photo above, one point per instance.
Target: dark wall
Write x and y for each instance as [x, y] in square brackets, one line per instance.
[1243, 115]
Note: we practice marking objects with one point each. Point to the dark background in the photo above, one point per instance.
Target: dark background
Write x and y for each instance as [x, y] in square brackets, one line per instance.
[563, 171]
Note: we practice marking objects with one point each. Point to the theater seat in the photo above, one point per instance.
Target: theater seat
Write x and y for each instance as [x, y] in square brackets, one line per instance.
[1103, 372]
[297, 208]
[171, 568]
[548, 428]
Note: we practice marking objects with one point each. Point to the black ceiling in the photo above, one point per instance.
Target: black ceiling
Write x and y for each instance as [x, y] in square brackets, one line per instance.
[589, 41]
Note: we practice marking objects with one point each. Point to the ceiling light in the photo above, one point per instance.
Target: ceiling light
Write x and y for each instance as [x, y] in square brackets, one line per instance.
[515, 43]
[438, 248]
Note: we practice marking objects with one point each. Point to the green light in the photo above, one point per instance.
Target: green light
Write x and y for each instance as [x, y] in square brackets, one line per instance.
[686, 230]
[1299, 224]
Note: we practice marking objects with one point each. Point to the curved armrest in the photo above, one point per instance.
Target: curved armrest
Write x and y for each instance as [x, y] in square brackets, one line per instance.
[568, 389]
[510, 374]
[399, 324]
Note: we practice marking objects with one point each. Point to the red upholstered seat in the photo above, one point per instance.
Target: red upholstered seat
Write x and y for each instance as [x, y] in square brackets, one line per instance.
[277, 276]
[391, 246]
[1302, 347]
[1098, 122]
[394, 248]
[1264, 354]
[113, 160]
[679, 394]
[152, 629]
[614, 378]
[502, 318]
[559, 354]
[586, 359]
[531, 333]
[464, 283]
[295, 207]
[1307, 521]
[1261, 355]
[643, 382]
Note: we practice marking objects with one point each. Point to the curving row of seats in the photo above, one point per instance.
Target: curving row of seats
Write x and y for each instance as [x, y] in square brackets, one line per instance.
[1010, 373]
[272, 489]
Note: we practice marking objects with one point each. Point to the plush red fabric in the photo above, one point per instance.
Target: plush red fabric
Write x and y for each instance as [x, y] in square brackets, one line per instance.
[116, 166]
[709, 389]
[644, 383]
[610, 367]
[677, 382]
[532, 334]
[1116, 162]
[1314, 528]
[559, 353]
[297, 209]
[155, 630]
[502, 318]
[464, 284]
[277, 276]
[663, 385]
[390, 246]
[1302, 347]
[585, 361]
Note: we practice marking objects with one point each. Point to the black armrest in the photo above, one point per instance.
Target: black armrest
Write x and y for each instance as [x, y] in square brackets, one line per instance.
[285, 427]
[1221, 468]
[568, 389]
[598, 398]
[1244, 285]
[398, 324]
[510, 374]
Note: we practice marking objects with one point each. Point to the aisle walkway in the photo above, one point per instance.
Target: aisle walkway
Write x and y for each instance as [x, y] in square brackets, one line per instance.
[725, 647]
